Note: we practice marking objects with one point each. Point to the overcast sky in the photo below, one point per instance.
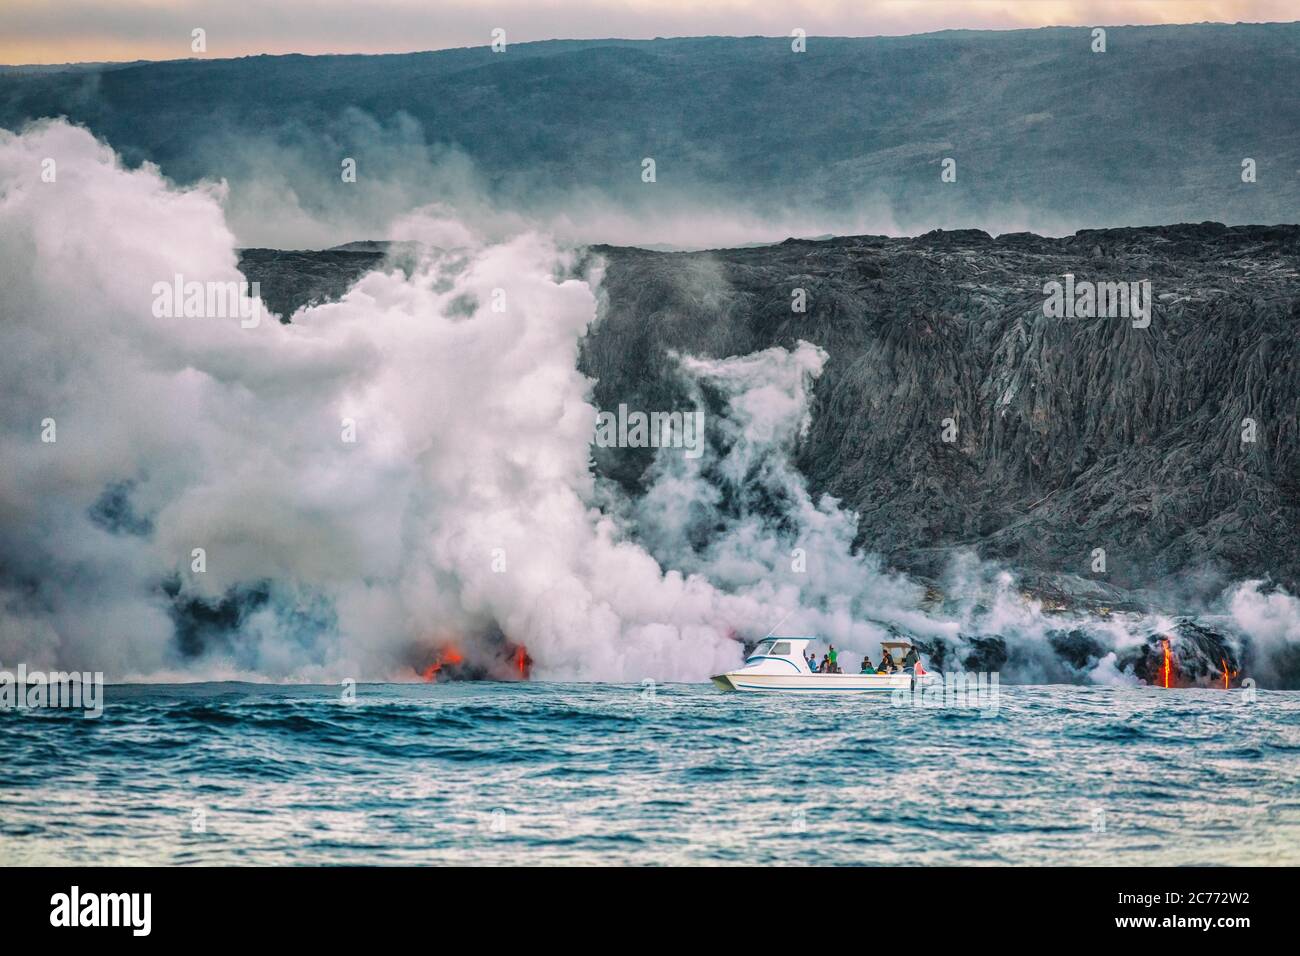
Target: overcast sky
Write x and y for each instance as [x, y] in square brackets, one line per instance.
[61, 31]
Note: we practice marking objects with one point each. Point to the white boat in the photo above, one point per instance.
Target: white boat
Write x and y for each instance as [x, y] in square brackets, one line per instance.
[778, 664]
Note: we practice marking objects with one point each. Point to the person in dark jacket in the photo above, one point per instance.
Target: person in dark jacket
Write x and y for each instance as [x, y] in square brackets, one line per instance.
[867, 667]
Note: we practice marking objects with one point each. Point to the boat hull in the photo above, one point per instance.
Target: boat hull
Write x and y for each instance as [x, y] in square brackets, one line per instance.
[811, 683]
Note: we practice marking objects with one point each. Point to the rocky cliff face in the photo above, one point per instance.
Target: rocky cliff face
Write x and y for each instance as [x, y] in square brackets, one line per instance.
[1067, 434]
[953, 413]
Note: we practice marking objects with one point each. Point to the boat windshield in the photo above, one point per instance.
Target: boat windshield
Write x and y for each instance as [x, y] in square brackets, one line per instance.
[772, 648]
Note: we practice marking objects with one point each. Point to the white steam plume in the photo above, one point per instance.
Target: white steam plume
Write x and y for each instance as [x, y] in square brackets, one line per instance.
[473, 431]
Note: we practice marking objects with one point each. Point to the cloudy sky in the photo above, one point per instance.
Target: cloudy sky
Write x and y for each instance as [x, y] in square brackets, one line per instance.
[61, 31]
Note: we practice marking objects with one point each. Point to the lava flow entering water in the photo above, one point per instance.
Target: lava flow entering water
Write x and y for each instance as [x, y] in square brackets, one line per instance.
[448, 656]
[523, 663]
[506, 661]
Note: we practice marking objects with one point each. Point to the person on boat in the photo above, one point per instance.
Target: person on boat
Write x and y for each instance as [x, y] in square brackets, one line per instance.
[867, 667]
[826, 665]
[833, 657]
[911, 658]
[812, 663]
[886, 662]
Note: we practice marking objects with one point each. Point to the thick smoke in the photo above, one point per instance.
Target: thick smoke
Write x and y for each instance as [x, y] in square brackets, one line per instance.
[742, 516]
[464, 514]
[284, 189]
[463, 508]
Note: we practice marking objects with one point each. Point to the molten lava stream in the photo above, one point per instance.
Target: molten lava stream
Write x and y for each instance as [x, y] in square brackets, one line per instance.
[523, 662]
[447, 656]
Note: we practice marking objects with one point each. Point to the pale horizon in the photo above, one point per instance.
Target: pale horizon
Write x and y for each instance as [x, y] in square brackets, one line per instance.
[33, 33]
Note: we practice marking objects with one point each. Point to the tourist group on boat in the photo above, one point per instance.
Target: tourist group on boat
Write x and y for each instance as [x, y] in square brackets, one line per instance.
[830, 662]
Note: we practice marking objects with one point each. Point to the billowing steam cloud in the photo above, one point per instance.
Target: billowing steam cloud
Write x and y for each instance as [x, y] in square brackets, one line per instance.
[742, 516]
[465, 501]
[465, 513]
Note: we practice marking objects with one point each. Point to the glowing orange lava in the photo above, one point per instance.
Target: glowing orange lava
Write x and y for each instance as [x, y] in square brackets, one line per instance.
[1228, 673]
[448, 655]
[1168, 665]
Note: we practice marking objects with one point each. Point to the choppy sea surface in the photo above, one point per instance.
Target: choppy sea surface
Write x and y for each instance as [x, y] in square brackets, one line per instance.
[534, 773]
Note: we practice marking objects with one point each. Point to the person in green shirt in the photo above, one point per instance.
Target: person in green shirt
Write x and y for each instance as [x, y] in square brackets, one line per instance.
[832, 657]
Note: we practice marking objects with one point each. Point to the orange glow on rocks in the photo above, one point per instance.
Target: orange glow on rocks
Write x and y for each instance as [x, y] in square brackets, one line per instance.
[449, 655]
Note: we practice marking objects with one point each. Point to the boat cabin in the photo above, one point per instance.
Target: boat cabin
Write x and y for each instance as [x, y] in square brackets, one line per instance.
[788, 650]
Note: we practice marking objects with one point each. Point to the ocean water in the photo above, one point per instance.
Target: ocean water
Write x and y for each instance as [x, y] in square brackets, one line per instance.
[535, 773]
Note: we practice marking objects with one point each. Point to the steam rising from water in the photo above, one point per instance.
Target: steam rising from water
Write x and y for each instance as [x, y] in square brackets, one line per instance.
[336, 559]
[465, 511]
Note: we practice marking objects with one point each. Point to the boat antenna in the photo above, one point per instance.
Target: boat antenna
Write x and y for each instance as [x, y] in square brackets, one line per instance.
[778, 624]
